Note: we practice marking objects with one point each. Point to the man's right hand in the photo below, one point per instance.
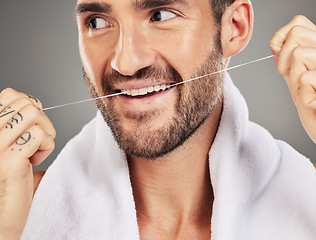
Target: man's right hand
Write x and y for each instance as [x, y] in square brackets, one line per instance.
[26, 139]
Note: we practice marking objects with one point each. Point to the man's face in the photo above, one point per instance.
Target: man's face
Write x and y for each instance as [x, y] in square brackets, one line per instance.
[143, 46]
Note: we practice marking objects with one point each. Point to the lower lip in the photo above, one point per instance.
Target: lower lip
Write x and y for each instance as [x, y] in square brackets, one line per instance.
[144, 99]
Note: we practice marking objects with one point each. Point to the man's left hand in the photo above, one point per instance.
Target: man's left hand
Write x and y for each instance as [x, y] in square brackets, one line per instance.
[294, 47]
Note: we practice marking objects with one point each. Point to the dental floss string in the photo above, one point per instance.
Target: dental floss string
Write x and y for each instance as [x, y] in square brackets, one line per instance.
[172, 85]
[87, 100]
[223, 70]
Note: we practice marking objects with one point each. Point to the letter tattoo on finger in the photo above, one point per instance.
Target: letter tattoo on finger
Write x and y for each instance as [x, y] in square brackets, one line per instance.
[24, 139]
[9, 125]
[15, 120]
[20, 115]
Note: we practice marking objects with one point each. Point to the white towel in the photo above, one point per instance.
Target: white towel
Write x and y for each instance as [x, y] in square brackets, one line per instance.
[264, 189]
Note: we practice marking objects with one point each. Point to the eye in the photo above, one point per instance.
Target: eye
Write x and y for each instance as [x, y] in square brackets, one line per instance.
[162, 15]
[98, 23]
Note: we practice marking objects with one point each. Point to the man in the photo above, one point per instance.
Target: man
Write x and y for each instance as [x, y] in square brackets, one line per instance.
[191, 166]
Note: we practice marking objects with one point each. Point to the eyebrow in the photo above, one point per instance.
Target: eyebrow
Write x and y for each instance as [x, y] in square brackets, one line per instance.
[93, 7]
[149, 4]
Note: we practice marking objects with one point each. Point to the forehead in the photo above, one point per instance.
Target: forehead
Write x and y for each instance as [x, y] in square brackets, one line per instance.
[132, 2]
[137, 4]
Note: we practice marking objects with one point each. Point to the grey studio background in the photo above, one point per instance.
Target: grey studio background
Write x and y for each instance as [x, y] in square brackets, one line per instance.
[39, 55]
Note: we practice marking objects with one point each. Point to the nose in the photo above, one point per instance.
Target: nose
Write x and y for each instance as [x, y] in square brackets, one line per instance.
[132, 52]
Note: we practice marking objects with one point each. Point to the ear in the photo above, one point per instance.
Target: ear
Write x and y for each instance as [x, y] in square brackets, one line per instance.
[237, 23]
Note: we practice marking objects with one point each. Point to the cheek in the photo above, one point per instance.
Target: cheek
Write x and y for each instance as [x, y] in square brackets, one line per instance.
[95, 58]
[186, 49]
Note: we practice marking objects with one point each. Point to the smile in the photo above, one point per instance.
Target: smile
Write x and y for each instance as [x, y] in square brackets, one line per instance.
[145, 90]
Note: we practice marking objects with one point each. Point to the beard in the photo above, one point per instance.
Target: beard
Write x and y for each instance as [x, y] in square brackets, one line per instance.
[195, 102]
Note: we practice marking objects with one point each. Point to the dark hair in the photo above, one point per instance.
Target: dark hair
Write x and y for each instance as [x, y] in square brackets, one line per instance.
[218, 7]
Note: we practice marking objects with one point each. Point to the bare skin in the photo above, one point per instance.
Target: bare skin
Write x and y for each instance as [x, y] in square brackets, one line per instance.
[37, 177]
[294, 47]
[173, 194]
[26, 139]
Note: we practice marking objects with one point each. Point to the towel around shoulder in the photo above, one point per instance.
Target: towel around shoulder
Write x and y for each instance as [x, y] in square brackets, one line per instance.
[263, 189]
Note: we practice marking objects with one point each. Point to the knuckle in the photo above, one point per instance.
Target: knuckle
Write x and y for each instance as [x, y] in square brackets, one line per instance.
[296, 31]
[35, 101]
[53, 133]
[23, 101]
[40, 135]
[37, 131]
[32, 111]
[281, 69]
[8, 91]
[297, 53]
[9, 94]
[304, 80]
[299, 19]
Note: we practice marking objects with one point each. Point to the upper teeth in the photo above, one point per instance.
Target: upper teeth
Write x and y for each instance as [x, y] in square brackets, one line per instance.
[145, 90]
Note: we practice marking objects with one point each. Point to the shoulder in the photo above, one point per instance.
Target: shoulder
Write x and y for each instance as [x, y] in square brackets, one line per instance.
[37, 177]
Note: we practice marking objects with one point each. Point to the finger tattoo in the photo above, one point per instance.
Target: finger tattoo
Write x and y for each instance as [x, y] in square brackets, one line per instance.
[31, 97]
[20, 116]
[17, 120]
[9, 125]
[5, 113]
[14, 120]
[24, 139]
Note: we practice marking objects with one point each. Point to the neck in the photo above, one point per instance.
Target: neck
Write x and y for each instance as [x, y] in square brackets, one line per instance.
[176, 188]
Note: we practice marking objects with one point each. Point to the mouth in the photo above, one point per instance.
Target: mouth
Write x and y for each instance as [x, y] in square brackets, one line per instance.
[145, 92]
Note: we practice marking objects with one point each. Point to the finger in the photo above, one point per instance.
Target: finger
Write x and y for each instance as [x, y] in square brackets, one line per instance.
[7, 113]
[28, 116]
[280, 36]
[38, 157]
[307, 96]
[302, 60]
[31, 141]
[12, 109]
[298, 37]
[35, 101]
[298, 20]
[33, 115]
[8, 95]
[276, 43]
